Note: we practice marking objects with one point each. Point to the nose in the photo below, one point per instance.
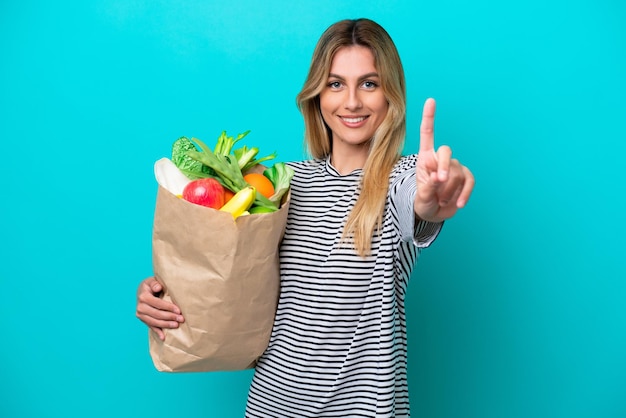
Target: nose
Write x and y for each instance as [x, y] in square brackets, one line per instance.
[353, 100]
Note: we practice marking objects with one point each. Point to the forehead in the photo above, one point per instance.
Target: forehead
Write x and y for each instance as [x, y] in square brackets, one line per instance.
[353, 59]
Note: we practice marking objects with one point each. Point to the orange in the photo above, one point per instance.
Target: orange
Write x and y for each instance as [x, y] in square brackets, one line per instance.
[261, 183]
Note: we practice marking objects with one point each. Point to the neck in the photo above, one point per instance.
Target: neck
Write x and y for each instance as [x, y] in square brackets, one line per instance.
[346, 161]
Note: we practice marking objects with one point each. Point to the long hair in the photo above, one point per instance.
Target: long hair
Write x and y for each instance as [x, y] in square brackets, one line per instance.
[366, 217]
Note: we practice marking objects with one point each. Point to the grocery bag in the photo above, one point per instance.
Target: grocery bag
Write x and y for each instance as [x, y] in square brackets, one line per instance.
[224, 274]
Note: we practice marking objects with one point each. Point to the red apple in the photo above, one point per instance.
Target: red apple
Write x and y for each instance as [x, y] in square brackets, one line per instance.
[205, 192]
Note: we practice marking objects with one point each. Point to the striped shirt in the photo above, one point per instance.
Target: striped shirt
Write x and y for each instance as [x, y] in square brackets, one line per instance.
[338, 345]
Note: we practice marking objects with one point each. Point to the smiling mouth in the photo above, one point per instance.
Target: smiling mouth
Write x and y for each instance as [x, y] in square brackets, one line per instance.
[353, 119]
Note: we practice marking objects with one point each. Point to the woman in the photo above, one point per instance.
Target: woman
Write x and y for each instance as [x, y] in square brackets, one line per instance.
[358, 218]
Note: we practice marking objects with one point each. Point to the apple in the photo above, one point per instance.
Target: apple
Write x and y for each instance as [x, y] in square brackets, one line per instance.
[205, 192]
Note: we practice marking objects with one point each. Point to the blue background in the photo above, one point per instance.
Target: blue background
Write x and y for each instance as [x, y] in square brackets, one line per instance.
[517, 310]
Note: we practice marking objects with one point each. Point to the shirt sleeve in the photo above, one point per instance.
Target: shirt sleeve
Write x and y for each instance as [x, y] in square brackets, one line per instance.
[403, 190]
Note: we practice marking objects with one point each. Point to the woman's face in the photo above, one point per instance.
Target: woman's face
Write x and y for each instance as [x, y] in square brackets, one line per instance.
[353, 104]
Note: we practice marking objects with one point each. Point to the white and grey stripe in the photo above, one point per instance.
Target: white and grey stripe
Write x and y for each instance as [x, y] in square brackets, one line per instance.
[338, 346]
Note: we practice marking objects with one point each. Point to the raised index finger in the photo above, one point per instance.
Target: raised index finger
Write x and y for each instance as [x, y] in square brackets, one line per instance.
[427, 128]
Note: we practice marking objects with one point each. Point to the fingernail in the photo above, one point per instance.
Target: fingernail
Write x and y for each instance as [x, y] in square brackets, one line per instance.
[179, 318]
[443, 175]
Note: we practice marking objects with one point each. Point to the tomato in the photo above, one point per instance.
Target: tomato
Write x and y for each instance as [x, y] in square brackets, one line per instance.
[227, 195]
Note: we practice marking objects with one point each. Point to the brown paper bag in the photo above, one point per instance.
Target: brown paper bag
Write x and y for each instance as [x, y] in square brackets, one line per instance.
[224, 275]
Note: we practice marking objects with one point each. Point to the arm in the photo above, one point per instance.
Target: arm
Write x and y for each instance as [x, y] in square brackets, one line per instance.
[444, 185]
[403, 190]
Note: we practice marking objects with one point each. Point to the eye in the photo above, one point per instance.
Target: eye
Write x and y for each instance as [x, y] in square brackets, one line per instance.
[335, 85]
[369, 85]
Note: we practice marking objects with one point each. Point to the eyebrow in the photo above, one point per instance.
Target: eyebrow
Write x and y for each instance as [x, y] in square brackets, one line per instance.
[368, 75]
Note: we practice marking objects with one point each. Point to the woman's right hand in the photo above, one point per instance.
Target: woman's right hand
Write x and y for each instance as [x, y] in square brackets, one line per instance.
[155, 312]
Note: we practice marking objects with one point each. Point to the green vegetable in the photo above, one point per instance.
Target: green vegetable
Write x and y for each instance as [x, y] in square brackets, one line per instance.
[280, 174]
[191, 168]
[227, 172]
[245, 157]
[227, 166]
[225, 143]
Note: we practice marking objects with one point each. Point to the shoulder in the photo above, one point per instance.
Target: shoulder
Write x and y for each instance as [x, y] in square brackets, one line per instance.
[306, 167]
[405, 165]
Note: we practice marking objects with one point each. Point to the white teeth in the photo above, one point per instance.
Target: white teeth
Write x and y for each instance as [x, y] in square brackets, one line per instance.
[354, 120]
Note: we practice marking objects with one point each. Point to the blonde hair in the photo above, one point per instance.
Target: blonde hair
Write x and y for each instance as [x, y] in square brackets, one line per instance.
[365, 219]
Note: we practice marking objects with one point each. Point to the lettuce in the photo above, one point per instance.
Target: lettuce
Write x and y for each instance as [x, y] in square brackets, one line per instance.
[192, 168]
[196, 160]
[280, 174]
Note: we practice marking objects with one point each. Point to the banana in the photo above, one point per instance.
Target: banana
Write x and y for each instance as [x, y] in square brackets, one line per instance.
[240, 202]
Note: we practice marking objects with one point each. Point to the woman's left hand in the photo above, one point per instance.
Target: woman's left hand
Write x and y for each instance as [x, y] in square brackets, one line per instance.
[443, 184]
